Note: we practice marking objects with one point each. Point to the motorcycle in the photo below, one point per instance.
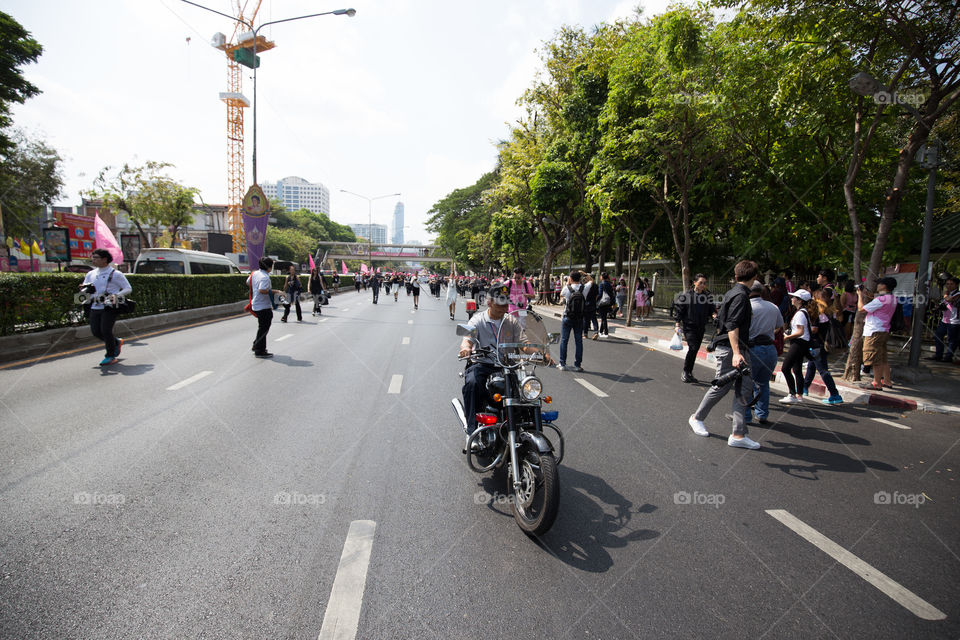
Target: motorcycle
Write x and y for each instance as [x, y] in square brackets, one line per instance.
[511, 428]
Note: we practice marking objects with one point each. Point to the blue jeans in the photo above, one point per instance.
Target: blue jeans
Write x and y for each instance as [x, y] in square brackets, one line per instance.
[819, 364]
[763, 359]
[952, 334]
[566, 326]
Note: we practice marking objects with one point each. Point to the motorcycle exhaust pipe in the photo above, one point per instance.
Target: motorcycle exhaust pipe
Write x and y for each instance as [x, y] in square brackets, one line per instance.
[458, 409]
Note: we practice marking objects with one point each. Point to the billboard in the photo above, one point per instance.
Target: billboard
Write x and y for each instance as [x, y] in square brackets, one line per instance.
[80, 233]
[56, 244]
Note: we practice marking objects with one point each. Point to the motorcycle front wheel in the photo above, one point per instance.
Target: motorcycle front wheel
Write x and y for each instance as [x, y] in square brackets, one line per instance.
[536, 502]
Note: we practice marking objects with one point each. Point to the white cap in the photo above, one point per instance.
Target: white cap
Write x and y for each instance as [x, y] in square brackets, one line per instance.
[803, 294]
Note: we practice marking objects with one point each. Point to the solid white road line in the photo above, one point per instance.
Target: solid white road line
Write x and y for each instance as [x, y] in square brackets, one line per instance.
[900, 594]
[890, 423]
[405, 341]
[395, 383]
[289, 335]
[190, 380]
[346, 597]
[592, 389]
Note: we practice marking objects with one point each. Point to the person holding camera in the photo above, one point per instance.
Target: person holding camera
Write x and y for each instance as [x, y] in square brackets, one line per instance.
[292, 288]
[876, 330]
[948, 331]
[732, 352]
[104, 285]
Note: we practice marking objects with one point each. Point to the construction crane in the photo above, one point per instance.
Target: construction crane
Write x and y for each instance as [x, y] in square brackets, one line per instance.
[236, 102]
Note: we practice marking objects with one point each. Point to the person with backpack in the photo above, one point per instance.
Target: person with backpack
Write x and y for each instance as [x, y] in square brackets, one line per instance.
[820, 326]
[292, 288]
[591, 295]
[572, 321]
[876, 330]
[521, 293]
[605, 303]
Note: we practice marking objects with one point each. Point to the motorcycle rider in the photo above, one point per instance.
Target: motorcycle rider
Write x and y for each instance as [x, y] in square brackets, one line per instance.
[492, 322]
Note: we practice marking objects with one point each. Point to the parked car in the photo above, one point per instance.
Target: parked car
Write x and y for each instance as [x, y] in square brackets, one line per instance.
[183, 261]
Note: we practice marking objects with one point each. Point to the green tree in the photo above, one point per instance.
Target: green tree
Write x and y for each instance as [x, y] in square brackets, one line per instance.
[30, 178]
[17, 48]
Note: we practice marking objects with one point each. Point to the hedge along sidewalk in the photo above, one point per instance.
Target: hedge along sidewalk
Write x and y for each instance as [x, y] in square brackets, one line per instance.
[936, 396]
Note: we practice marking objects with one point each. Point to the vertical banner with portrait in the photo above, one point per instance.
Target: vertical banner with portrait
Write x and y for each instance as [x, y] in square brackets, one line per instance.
[56, 244]
[130, 246]
[256, 210]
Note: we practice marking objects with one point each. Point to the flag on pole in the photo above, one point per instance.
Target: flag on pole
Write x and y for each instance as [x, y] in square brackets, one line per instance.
[9, 242]
[378, 269]
[36, 248]
[104, 239]
[312, 264]
[343, 267]
[363, 267]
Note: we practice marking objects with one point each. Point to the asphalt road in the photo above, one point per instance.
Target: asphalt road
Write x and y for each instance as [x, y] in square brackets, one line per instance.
[219, 508]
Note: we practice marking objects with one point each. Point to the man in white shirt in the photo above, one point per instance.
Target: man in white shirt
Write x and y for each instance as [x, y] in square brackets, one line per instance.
[105, 283]
[262, 305]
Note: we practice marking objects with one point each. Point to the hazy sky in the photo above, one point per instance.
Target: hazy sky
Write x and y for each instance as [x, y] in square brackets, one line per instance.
[408, 96]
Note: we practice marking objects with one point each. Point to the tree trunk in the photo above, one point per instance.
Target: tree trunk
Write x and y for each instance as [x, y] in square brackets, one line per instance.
[618, 259]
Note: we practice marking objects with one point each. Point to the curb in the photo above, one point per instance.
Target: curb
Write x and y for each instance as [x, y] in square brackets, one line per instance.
[850, 395]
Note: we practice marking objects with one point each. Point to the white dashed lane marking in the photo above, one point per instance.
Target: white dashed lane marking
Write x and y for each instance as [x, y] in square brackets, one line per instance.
[281, 338]
[342, 617]
[190, 380]
[409, 321]
[395, 383]
[900, 594]
[890, 423]
[405, 341]
[592, 389]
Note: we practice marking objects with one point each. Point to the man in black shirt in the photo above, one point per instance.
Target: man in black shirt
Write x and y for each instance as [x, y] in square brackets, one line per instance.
[732, 351]
[694, 309]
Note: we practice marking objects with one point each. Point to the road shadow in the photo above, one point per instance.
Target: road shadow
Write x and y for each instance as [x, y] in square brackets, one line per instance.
[816, 433]
[617, 377]
[806, 463]
[291, 362]
[593, 518]
[121, 369]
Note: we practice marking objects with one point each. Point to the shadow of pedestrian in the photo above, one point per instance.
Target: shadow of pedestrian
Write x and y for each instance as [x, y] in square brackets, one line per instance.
[617, 377]
[121, 369]
[593, 518]
[291, 362]
[816, 433]
[818, 460]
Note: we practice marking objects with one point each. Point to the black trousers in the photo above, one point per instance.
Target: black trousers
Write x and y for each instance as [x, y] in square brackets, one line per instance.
[475, 391]
[264, 318]
[286, 308]
[694, 338]
[793, 365]
[604, 312]
[376, 293]
[101, 326]
[590, 319]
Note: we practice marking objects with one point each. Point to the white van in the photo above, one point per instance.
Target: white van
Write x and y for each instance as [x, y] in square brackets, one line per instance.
[183, 261]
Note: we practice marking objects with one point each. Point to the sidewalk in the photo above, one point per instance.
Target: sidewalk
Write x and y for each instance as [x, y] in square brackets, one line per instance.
[939, 394]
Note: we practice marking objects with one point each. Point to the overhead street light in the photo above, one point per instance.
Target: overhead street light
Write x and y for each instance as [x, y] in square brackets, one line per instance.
[370, 217]
[928, 157]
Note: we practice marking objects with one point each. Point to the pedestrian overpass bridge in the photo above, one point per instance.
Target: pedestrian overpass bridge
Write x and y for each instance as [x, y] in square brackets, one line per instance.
[374, 252]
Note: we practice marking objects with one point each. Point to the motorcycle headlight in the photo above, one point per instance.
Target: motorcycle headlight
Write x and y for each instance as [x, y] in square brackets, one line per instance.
[531, 388]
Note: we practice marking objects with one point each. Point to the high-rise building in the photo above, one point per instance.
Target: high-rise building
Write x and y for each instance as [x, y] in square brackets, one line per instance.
[296, 193]
[376, 233]
[398, 224]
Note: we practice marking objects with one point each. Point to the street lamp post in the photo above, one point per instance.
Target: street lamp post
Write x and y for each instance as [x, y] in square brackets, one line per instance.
[866, 85]
[256, 31]
[370, 218]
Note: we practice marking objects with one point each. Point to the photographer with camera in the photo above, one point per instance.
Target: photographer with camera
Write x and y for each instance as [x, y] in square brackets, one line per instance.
[876, 330]
[104, 288]
[948, 331]
[733, 358]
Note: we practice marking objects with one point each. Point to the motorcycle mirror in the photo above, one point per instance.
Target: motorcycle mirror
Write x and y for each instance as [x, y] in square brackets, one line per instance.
[465, 330]
[553, 337]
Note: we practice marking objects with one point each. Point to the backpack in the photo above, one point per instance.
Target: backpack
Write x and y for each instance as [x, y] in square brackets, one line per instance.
[576, 304]
[897, 321]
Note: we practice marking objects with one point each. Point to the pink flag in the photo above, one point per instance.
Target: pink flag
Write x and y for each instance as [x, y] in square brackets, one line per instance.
[312, 265]
[343, 267]
[363, 267]
[104, 239]
[378, 269]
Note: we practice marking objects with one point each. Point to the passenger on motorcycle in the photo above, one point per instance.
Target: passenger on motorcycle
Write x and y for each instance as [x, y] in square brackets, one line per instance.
[489, 324]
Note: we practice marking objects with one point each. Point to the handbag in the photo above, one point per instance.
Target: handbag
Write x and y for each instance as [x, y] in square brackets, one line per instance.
[605, 300]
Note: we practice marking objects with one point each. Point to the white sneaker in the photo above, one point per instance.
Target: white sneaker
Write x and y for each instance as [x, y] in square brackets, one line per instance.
[697, 426]
[561, 367]
[790, 400]
[743, 443]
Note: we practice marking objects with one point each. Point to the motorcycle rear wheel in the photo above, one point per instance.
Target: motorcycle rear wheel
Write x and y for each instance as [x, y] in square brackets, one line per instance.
[536, 504]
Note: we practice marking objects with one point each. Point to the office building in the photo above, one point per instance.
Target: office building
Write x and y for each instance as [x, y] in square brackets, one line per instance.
[398, 224]
[296, 193]
[376, 233]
